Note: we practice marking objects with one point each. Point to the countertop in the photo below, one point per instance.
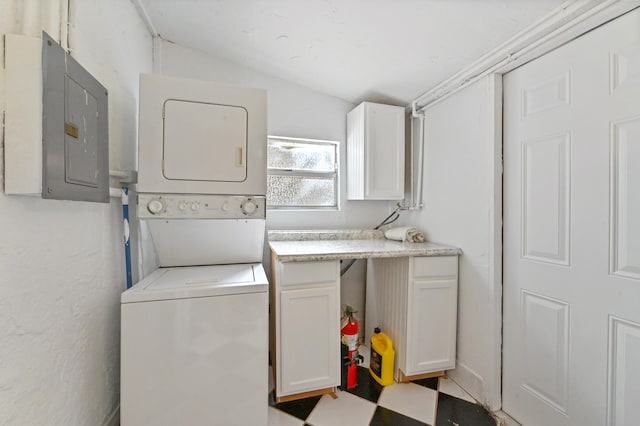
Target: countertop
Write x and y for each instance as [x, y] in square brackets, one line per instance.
[303, 246]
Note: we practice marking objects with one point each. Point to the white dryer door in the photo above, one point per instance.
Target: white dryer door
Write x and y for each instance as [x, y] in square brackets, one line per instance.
[204, 142]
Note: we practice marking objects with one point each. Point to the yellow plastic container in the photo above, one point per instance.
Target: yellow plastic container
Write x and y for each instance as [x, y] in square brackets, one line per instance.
[382, 357]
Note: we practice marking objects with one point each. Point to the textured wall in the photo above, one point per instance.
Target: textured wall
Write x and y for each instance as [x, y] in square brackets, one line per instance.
[61, 262]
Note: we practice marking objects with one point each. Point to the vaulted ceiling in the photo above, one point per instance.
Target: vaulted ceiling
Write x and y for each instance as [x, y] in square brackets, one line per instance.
[377, 50]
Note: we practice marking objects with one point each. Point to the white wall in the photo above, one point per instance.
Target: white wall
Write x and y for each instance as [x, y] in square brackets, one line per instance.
[293, 111]
[61, 262]
[459, 209]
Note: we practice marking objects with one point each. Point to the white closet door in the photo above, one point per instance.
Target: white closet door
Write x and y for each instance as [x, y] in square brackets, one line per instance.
[572, 232]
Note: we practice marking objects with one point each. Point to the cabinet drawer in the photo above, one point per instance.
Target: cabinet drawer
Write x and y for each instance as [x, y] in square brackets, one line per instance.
[439, 266]
[304, 273]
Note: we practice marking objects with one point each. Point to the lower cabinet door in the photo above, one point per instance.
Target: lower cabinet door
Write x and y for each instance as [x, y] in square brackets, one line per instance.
[431, 326]
[309, 339]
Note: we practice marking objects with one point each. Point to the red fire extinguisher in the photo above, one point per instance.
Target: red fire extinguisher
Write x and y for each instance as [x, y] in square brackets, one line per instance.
[349, 331]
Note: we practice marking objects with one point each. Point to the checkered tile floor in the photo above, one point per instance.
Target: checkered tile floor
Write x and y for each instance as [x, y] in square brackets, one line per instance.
[436, 401]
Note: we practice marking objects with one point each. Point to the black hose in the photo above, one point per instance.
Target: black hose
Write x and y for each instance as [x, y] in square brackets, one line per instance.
[395, 215]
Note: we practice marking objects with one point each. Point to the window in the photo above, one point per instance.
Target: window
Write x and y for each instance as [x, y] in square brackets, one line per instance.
[302, 173]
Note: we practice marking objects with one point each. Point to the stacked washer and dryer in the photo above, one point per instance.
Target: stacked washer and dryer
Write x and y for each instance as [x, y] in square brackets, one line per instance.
[195, 331]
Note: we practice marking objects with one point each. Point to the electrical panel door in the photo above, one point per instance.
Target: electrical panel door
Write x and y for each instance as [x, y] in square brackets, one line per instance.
[75, 135]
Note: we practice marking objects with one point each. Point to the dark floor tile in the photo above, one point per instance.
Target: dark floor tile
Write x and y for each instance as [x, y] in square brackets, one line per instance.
[300, 408]
[367, 387]
[431, 383]
[385, 417]
[455, 411]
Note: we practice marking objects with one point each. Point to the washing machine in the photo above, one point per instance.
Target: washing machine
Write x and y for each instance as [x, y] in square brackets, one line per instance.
[194, 333]
[193, 344]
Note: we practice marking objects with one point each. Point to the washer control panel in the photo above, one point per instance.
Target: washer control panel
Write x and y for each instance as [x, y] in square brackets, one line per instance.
[187, 206]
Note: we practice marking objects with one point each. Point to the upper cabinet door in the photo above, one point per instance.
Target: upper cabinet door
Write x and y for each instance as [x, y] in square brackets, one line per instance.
[375, 152]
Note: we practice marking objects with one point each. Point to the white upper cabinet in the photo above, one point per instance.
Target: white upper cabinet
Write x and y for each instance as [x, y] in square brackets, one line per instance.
[375, 152]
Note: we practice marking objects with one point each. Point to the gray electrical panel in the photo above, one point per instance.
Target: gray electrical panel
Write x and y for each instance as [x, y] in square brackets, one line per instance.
[75, 125]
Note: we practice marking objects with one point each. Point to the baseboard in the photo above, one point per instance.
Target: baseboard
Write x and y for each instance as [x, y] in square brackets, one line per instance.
[114, 418]
[471, 382]
[505, 419]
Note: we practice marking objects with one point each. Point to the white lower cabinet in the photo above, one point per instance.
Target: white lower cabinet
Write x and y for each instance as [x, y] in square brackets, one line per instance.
[414, 301]
[309, 320]
[306, 328]
[431, 326]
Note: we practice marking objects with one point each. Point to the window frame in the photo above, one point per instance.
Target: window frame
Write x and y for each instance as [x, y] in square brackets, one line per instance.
[334, 175]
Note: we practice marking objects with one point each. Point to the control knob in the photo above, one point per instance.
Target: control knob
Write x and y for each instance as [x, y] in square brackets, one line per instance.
[155, 206]
[248, 207]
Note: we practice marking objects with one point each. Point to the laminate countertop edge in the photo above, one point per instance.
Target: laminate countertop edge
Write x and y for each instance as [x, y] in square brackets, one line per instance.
[314, 250]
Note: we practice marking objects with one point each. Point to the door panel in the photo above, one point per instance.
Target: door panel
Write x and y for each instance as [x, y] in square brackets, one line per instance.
[572, 232]
[545, 335]
[624, 353]
[625, 208]
[625, 65]
[545, 197]
[310, 339]
[546, 95]
[429, 347]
